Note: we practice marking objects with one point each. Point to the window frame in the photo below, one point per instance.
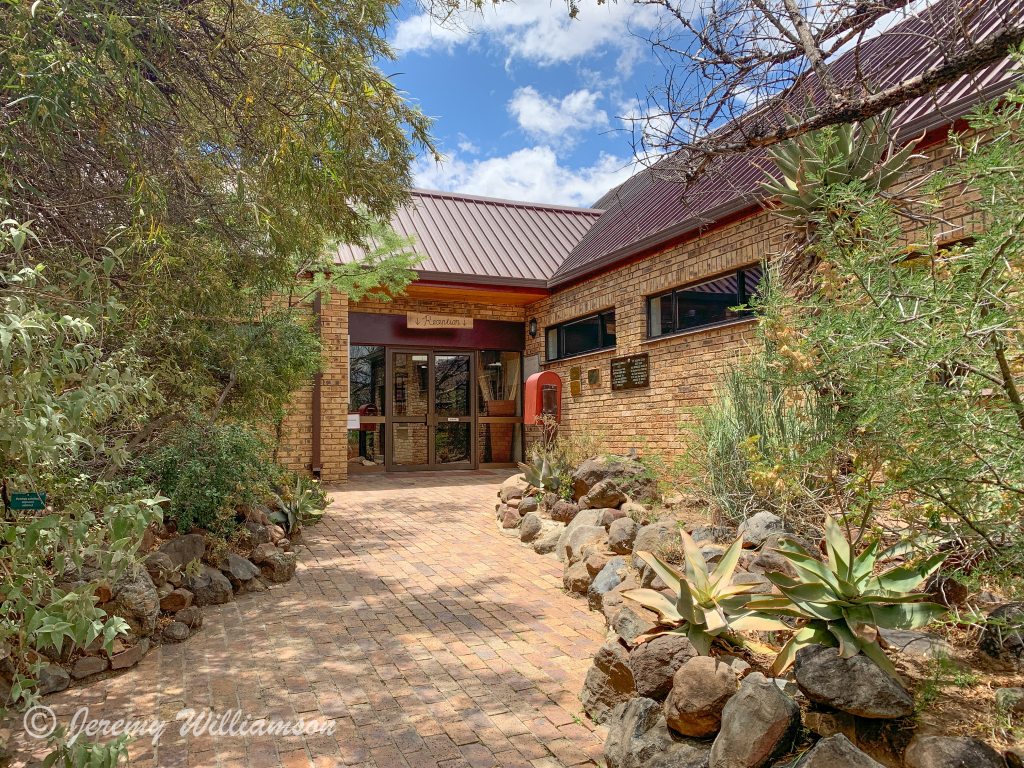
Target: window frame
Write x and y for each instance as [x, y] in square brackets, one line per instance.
[559, 329]
[743, 315]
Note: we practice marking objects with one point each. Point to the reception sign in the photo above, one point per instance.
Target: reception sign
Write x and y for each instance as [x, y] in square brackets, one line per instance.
[428, 322]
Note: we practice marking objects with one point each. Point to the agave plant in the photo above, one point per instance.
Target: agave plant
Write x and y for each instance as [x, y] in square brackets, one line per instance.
[844, 602]
[302, 504]
[543, 472]
[707, 605]
[851, 152]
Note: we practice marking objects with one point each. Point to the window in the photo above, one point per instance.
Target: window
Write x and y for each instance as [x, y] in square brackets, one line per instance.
[585, 334]
[705, 304]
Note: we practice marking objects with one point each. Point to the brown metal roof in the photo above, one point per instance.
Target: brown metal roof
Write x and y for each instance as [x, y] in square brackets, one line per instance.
[646, 211]
[486, 240]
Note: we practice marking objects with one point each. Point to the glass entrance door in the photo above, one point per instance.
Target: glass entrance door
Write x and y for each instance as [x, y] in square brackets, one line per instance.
[433, 410]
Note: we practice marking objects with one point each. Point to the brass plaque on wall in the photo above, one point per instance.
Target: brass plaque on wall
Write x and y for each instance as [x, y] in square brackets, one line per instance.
[594, 377]
[631, 372]
[574, 373]
[574, 388]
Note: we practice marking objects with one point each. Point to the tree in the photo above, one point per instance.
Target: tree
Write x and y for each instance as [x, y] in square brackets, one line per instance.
[747, 74]
[187, 167]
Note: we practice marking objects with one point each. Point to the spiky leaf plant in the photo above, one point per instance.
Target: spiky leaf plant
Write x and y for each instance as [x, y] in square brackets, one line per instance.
[707, 605]
[543, 472]
[844, 602]
[814, 162]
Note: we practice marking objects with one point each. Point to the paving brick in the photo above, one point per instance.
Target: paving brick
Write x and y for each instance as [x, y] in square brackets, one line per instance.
[425, 635]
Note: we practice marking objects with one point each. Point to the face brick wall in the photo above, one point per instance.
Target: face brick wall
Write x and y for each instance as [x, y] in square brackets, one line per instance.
[683, 369]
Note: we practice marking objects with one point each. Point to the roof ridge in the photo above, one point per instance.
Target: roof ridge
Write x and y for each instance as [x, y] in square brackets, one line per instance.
[419, 191]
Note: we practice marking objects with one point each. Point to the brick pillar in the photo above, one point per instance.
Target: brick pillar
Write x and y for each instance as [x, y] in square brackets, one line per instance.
[334, 389]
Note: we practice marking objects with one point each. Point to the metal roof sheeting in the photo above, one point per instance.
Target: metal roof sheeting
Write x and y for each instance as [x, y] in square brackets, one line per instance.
[646, 211]
[484, 239]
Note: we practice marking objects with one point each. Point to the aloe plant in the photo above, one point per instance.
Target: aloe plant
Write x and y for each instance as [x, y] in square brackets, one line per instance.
[851, 152]
[302, 504]
[707, 605]
[843, 602]
[543, 472]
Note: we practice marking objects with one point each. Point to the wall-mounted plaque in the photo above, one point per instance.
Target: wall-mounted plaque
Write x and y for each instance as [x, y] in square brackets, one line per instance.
[594, 377]
[426, 322]
[631, 372]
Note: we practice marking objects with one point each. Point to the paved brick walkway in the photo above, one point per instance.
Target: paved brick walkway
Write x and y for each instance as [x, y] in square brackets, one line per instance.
[428, 637]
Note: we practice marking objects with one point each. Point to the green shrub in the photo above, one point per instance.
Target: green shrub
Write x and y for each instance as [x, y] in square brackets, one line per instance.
[207, 470]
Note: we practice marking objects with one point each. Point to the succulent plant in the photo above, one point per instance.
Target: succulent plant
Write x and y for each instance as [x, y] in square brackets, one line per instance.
[543, 472]
[855, 151]
[300, 506]
[707, 605]
[843, 602]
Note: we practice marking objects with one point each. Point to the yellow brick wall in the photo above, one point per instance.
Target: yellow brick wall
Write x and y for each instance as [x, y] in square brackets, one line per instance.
[402, 304]
[683, 369]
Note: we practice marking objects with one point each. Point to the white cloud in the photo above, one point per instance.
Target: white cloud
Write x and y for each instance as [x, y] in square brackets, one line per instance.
[539, 31]
[554, 120]
[531, 174]
[468, 146]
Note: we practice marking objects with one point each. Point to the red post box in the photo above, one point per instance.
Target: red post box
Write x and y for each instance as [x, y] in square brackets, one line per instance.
[542, 397]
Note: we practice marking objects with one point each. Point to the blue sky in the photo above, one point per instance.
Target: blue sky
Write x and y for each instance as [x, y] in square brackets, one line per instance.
[528, 103]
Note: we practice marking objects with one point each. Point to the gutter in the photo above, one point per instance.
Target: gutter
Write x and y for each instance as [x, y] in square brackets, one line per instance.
[315, 463]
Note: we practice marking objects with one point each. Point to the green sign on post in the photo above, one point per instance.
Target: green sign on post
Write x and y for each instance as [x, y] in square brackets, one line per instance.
[22, 501]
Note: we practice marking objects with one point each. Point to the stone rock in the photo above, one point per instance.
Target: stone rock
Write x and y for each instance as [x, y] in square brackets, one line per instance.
[587, 517]
[596, 562]
[549, 501]
[279, 567]
[837, 752]
[159, 567]
[650, 538]
[700, 689]
[631, 477]
[609, 516]
[717, 534]
[564, 511]
[1010, 700]
[513, 488]
[756, 529]
[136, 601]
[131, 656]
[608, 682]
[257, 534]
[759, 723]
[712, 554]
[1014, 757]
[52, 679]
[262, 552]
[237, 568]
[530, 528]
[182, 550]
[759, 584]
[577, 578]
[655, 662]
[149, 535]
[164, 591]
[576, 543]
[513, 504]
[856, 685]
[633, 621]
[884, 741]
[945, 590]
[639, 738]
[175, 632]
[911, 642]
[549, 537]
[510, 518]
[950, 752]
[89, 665]
[210, 587]
[191, 617]
[772, 542]
[649, 579]
[177, 600]
[768, 560]
[254, 585]
[603, 495]
[1004, 640]
[634, 510]
[621, 535]
[612, 601]
[528, 505]
[605, 581]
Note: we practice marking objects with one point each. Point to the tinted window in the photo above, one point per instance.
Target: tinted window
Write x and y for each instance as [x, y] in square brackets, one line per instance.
[577, 337]
[703, 304]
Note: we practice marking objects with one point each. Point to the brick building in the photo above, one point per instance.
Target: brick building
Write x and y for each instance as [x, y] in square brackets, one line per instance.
[631, 303]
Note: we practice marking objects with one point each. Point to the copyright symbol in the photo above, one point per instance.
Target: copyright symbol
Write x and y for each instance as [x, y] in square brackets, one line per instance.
[40, 721]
